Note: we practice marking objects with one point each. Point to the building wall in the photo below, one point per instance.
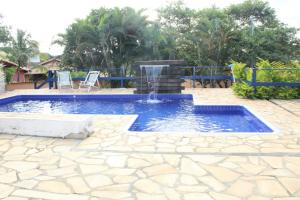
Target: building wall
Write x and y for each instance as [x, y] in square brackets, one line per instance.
[21, 86]
[53, 63]
[21, 77]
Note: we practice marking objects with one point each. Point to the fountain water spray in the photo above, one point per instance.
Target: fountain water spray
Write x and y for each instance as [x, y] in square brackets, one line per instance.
[152, 74]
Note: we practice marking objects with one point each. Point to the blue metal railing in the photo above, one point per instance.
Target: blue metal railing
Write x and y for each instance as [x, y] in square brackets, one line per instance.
[111, 78]
[52, 80]
[256, 83]
[216, 73]
[122, 76]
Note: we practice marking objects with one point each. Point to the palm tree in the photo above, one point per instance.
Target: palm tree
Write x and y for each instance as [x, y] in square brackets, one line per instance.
[23, 47]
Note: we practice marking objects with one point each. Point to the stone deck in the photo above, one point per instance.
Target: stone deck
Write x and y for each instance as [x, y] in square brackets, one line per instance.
[116, 164]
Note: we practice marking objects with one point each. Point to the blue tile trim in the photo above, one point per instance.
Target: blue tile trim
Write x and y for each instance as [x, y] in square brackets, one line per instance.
[93, 96]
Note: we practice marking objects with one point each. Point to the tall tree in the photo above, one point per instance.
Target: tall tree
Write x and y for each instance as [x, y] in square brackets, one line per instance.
[243, 32]
[176, 23]
[257, 11]
[211, 36]
[261, 34]
[212, 31]
[23, 47]
[4, 34]
[107, 38]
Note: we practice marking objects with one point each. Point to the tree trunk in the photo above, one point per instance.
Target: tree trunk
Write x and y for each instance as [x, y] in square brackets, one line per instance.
[18, 77]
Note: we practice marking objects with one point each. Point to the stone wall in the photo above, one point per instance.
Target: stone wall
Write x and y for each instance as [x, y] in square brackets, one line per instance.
[207, 84]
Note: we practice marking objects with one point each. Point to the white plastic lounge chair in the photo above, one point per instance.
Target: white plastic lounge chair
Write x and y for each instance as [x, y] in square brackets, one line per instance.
[90, 80]
[64, 79]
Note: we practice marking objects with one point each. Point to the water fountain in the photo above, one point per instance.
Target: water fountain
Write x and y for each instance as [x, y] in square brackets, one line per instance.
[152, 74]
[159, 76]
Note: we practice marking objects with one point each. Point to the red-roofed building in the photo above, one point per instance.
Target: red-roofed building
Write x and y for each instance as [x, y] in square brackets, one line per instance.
[34, 68]
[51, 64]
[23, 71]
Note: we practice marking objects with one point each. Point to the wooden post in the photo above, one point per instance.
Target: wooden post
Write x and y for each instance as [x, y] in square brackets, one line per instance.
[194, 74]
[122, 76]
[50, 79]
[55, 79]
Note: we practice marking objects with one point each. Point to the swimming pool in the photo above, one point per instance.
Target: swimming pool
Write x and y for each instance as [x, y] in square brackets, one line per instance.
[173, 113]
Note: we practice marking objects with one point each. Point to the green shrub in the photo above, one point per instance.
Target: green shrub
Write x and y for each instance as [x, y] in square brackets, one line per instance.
[78, 74]
[9, 72]
[239, 70]
[262, 92]
[287, 93]
[243, 89]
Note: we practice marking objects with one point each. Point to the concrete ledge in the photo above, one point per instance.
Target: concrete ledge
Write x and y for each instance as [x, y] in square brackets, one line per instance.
[46, 125]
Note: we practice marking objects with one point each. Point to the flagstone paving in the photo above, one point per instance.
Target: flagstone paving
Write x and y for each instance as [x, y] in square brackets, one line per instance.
[116, 164]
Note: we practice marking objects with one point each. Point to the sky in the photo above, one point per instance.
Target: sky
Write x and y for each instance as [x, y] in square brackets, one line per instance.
[44, 19]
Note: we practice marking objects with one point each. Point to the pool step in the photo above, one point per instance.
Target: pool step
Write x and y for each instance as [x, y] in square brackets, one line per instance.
[46, 125]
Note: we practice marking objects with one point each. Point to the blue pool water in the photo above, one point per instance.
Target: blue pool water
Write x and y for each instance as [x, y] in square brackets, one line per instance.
[173, 113]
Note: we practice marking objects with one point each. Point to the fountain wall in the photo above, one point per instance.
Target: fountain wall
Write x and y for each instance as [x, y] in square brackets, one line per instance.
[158, 76]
